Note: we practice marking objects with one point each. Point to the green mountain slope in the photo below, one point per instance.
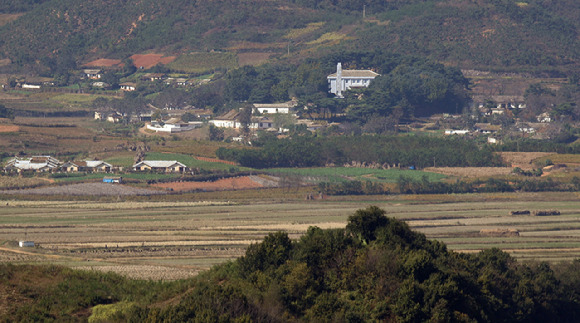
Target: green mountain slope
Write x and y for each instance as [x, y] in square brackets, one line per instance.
[484, 33]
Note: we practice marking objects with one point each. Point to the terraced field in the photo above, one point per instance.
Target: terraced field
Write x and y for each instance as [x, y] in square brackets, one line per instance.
[171, 240]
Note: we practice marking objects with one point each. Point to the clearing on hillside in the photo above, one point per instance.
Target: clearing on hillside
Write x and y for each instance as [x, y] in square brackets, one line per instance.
[149, 60]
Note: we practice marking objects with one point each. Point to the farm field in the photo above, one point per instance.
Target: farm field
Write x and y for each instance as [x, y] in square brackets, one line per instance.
[171, 240]
[225, 184]
[342, 174]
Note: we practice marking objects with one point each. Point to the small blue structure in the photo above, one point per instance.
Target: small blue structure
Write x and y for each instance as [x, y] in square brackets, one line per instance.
[112, 180]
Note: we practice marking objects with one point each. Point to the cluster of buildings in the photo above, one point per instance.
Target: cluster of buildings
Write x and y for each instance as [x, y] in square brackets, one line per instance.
[53, 165]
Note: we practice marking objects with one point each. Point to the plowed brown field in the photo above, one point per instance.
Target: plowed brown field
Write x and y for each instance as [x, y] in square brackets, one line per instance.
[104, 62]
[234, 183]
[8, 128]
[149, 60]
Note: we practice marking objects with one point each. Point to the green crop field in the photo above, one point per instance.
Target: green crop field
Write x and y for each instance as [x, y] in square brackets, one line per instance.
[341, 174]
[192, 162]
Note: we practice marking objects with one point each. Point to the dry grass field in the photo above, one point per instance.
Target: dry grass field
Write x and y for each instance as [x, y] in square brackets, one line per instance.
[473, 172]
[171, 240]
[233, 183]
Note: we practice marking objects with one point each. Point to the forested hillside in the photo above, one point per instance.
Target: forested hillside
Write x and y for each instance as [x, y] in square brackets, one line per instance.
[503, 34]
[375, 269]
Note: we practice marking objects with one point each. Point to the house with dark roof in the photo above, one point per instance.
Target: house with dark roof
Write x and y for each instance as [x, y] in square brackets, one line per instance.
[344, 80]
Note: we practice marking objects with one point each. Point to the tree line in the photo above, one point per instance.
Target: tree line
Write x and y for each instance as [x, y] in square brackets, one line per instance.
[375, 269]
[401, 151]
[407, 185]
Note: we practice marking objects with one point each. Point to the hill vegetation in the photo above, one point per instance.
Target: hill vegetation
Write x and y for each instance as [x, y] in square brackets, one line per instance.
[374, 269]
[504, 34]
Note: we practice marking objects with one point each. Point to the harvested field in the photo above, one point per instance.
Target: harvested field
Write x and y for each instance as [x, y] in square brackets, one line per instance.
[144, 271]
[215, 160]
[163, 240]
[94, 189]
[523, 160]
[103, 62]
[149, 60]
[233, 183]
[9, 128]
[470, 171]
[253, 58]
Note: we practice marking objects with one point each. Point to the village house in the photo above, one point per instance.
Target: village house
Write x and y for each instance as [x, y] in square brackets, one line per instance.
[272, 108]
[114, 117]
[93, 74]
[31, 86]
[544, 117]
[173, 126]
[486, 128]
[35, 163]
[128, 86]
[201, 113]
[165, 166]
[456, 132]
[94, 166]
[100, 84]
[344, 80]
[228, 120]
[154, 77]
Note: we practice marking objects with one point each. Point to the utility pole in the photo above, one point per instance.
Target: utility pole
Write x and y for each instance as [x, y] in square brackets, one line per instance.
[364, 11]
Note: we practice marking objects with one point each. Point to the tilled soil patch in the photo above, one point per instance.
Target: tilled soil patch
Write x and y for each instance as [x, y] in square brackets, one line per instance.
[99, 189]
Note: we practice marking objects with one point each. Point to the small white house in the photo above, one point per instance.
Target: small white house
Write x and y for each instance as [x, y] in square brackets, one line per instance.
[173, 127]
[31, 86]
[456, 132]
[272, 108]
[93, 74]
[128, 86]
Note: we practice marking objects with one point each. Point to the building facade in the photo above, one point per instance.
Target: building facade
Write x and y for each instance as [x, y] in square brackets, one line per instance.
[344, 80]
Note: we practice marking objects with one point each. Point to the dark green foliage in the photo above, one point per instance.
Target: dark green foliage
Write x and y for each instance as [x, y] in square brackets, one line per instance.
[272, 252]
[56, 294]
[15, 6]
[364, 223]
[376, 269]
[405, 151]
[6, 112]
[536, 34]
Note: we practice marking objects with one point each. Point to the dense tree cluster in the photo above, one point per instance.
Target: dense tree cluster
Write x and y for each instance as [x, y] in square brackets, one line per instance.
[418, 151]
[376, 269]
[6, 112]
[493, 33]
[407, 185]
